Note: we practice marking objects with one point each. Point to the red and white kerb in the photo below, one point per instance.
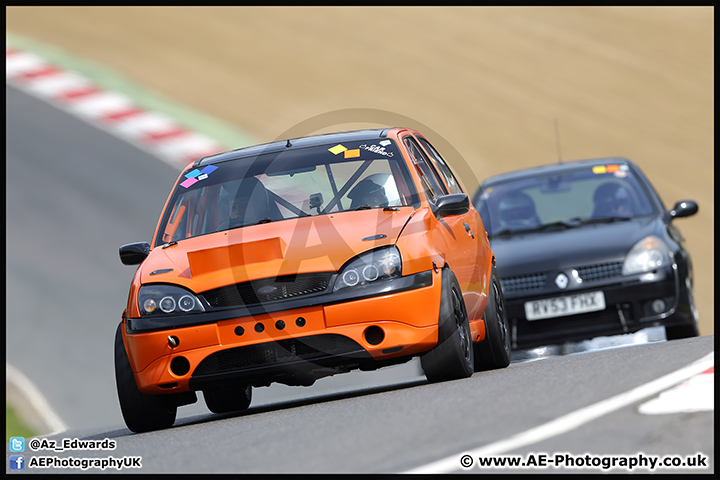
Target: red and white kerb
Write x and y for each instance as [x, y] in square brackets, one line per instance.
[114, 112]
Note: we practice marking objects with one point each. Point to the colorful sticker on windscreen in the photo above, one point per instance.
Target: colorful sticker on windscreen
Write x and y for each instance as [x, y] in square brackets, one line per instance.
[197, 175]
[339, 148]
[355, 152]
[619, 171]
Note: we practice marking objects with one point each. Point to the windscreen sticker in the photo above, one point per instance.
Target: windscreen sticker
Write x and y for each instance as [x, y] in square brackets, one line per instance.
[623, 172]
[385, 143]
[606, 169]
[196, 175]
[354, 153]
[190, 181]
[193, 174]
[339, 148]
[377, 149]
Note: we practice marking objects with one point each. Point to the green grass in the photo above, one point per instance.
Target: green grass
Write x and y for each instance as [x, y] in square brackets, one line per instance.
[14, 426]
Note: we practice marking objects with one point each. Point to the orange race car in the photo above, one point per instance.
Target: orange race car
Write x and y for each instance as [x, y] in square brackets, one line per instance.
[294, 260]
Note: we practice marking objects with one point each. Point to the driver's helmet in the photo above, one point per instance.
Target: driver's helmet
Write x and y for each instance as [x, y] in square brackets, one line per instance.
[376, 190]
[250, 204]
[517, 209]
[612, 200]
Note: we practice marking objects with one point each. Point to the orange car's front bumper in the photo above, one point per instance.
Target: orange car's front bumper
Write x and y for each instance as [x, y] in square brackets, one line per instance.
[400, 324]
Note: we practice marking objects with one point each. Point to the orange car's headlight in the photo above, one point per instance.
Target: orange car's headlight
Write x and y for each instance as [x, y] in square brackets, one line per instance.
[383, 263]
[167, 299]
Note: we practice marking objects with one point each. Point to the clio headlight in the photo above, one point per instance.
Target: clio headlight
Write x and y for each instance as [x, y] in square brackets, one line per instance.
[648, 254]
[167, 300]
[379, 264]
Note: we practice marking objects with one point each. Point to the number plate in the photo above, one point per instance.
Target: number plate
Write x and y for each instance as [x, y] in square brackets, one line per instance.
[563, 306]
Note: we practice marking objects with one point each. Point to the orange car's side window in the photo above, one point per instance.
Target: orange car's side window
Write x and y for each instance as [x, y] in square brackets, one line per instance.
[430, 182]
[441, 166]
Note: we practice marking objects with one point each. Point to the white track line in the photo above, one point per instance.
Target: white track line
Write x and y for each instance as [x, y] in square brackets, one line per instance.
[36, 399]
[696, 394]
[572, 420]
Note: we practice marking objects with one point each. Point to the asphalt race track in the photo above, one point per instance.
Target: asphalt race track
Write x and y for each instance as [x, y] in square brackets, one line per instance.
[75, 194]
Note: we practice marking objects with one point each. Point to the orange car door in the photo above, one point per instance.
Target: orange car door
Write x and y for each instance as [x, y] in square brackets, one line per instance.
[462, 233]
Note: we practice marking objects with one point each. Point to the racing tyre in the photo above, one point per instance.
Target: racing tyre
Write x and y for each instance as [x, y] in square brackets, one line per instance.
[685, 331]
[681, 331]
[495, 351]
[228, 400]
[453, 357]
[141, 412]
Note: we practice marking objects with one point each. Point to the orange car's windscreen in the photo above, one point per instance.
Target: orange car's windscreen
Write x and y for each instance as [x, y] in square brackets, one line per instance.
[288, 184]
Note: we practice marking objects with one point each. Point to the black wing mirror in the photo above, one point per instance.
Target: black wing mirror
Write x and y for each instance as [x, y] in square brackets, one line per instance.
[454, 204]
[684, 208]
[134, 253]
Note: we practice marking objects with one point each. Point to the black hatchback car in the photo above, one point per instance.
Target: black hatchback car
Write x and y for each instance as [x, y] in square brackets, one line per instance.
[587, 249]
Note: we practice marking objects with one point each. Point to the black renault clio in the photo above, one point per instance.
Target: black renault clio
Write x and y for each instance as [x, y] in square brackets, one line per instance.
[587, 249]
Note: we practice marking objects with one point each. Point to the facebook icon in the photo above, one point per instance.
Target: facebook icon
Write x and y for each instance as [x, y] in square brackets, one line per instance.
[17, 462]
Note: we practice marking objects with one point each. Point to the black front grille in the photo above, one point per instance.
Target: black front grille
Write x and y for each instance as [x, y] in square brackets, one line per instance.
[523, 283]
[268, 290]
[536, 281]
[602, 271]
[281, 352]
